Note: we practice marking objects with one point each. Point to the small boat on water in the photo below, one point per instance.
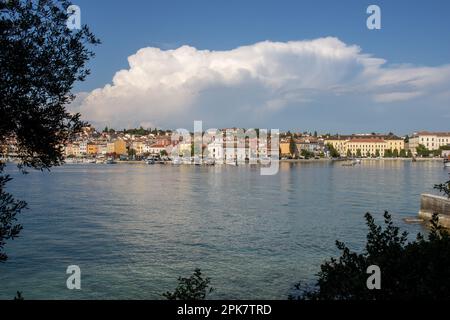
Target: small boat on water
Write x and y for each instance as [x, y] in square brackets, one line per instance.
[186, 160]
[176, 161]
[198, 161]
[348, 164]
[447, 163]
[110, 161]
[353, 163]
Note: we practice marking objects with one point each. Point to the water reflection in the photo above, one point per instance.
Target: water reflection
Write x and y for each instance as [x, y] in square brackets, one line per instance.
[133, 229]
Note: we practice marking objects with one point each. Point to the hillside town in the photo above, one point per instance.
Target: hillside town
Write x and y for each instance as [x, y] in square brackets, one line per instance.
[240, 145]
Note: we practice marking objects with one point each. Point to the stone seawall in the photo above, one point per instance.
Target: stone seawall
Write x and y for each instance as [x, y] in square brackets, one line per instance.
[430, 204]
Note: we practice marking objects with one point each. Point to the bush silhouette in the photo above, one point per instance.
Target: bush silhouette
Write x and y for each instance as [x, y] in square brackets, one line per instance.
[415, 270]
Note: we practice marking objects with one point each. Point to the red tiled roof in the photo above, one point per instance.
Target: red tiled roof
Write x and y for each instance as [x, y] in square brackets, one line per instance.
[427, 133]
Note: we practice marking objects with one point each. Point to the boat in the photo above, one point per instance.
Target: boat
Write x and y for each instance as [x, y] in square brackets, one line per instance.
[186, 160]
[197, 161]
[348, 164]
[176, 161]
[353, 163]
[151, 161]
[70, 161]
[447, 162]
[110, 161]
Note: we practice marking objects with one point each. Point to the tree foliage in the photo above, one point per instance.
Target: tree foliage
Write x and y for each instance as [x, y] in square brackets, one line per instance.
[292, 147]
[333, 152]
[415, 270]
[422, 150]
[306, 154]
[9, 208]
[444, 188]
[40, 59]
[193, 288]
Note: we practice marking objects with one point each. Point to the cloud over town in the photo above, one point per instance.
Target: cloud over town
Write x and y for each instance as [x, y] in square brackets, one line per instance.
[260, 81]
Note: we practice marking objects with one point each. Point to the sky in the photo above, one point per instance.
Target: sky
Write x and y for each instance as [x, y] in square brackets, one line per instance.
[297, 65]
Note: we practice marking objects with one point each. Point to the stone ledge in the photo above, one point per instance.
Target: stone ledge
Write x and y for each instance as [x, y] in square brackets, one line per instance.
[430, 204]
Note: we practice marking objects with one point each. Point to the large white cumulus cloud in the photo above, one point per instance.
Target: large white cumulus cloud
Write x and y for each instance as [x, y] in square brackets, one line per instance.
[166, 87]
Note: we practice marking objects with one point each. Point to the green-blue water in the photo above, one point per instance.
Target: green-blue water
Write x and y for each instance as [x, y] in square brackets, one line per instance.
[133, 229]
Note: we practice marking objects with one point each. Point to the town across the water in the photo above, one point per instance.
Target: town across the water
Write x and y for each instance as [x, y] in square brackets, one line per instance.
[241, 145]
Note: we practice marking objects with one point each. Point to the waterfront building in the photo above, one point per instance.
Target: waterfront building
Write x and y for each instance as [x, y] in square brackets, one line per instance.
[163, 140]
[118, 147]
[74, 150]
[156, 149]
[138, 146]
[215, 150]
[310, 144]
[185, 148]
[431, 140]
[83, 147]
[366, 147]
[92, 149]
[102, 149]
[366, 144]
[285, 150]
[394, 143]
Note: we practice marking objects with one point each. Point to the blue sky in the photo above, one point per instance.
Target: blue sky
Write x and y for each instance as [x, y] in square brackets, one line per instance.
[413, 32]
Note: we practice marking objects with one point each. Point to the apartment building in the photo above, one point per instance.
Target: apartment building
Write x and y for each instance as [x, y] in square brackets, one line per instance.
[366, 144]
[431, 140]
[118, 147]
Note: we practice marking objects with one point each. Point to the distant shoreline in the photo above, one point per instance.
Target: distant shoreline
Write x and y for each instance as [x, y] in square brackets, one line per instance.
[362, 159]
[292, 160]
[313, 160]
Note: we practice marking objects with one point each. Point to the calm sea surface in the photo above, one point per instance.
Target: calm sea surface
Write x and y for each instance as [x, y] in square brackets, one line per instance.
[134, 229]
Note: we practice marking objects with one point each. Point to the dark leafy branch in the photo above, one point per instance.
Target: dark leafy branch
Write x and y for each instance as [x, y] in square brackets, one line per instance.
[416, 270]
[9, 208]
[40, 60]
[444, 188]
[193, 288]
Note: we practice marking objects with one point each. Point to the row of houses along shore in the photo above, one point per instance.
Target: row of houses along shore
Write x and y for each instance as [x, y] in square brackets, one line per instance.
[139, 143]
